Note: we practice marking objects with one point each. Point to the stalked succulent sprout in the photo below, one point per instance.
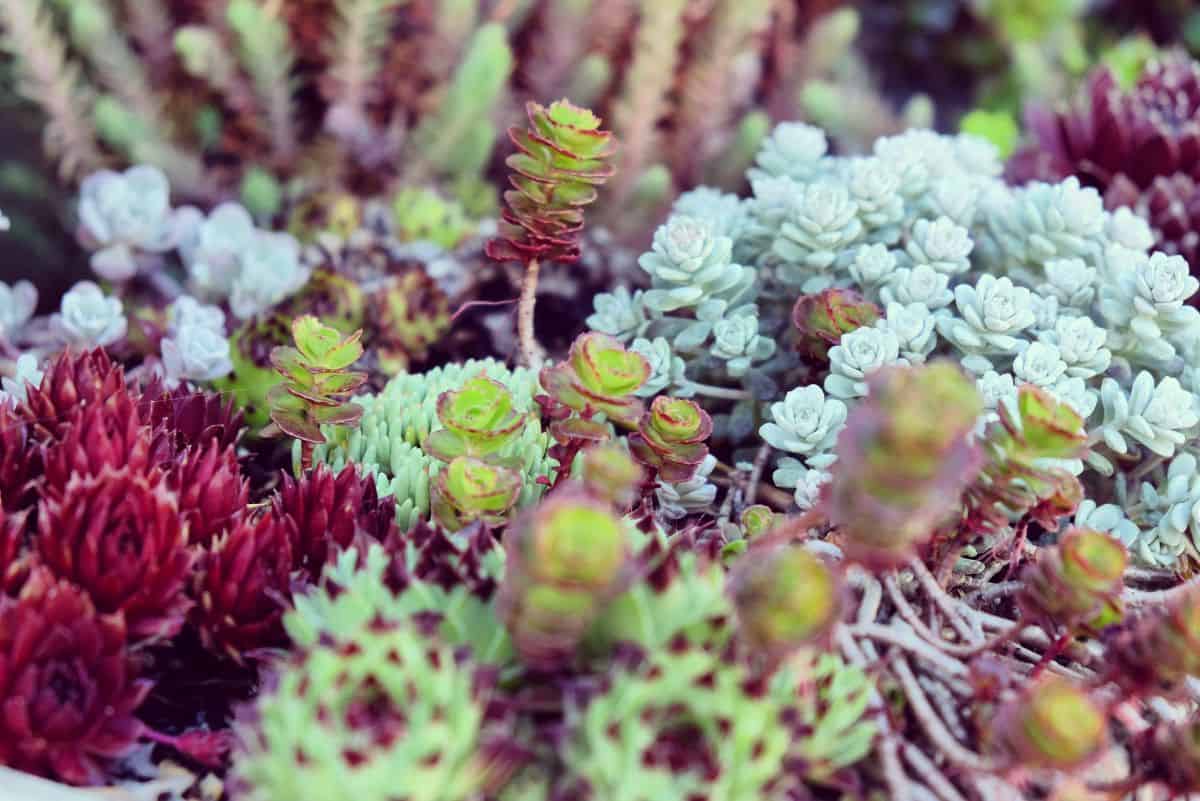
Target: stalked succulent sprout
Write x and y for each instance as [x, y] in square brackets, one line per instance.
[1053, 724]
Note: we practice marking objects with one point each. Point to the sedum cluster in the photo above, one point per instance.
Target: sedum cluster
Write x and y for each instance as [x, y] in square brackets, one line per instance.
[391, 443]
[921, 251]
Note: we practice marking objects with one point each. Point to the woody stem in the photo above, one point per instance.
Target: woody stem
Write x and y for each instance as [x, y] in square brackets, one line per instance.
[531, 352]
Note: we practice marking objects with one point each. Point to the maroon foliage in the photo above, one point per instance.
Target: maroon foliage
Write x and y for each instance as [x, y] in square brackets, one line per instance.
[72, 382]
[244, 581]
[211, 491]
[68, 688]
[120, 537]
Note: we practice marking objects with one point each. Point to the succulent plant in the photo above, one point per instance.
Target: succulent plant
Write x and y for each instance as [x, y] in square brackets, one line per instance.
[331, 511]
[1053, 724]
[823, 318]
[470, 489]
[119, 535]
[317, 383]
[1159, 651]
[1077, 582]
[670, 438]
[110, 435]
[211, 491]
[69, 686]
[242, 582]
[396, 712]
[900, 473]
[123, 215]
[561, 158]
[478, 420]
[89, 318]
[1130, 144]
[599, 375]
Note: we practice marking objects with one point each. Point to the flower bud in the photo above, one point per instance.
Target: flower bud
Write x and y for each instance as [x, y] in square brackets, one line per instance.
[785, 597]
[758, 519]
[823, 318]
[1077, 580]
[1054, 725]
[901, 470]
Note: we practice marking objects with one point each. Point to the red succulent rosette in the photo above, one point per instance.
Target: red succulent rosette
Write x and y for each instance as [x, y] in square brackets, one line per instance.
[192, 418]
[20, 460]
[822, 319]
[67, 688]
[242, 586]
[98, 436]
[71, 383]
[14, 558]
[329, 511]
[211, 491]
[120, 537]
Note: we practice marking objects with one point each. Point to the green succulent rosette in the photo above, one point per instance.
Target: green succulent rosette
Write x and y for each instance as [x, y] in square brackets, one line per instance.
[479, 420]
[785, 597]
[317, 383]
[670, 438]
[470, 489]
[1054, 725]
[601, 375]
[610, 473]
[1079, 581]
[565, 559]
[1049, 428]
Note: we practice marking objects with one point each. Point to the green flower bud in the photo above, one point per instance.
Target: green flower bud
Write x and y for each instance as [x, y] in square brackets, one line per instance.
[470, 489]
[822, 319]
[479, 420]
[1054, 725]
[758, 519]
[610, 473]
[901, 470]
[1078, 580]
[575, 542]
[785, 597]
[671, 438]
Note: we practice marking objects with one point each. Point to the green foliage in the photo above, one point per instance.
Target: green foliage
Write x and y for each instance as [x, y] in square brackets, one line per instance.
[266, 54]
[457, 139]
[600, 375]
[478, 419]
[397, 420]
[410, 713]
[421, 214]
[998, 127]
[470, 489]
[317, 381]
[670, 438]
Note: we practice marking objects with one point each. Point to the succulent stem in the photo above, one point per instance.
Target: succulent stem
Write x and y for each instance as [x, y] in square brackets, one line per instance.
[531, 351]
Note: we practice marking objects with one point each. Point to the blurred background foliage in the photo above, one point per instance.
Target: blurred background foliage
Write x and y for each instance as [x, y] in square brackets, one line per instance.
[303, 110]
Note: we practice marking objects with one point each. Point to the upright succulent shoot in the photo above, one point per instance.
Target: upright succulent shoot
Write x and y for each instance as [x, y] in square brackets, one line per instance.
[317, 384]
[563, 156]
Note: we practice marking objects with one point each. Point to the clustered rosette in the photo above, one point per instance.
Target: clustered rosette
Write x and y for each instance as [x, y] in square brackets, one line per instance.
[68, 686]
[1140, 148]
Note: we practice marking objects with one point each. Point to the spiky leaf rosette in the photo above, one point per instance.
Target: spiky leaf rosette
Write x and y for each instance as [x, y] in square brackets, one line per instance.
[388, 714]
[901, 471]
[212, 492]
[69, 691]
[192, 418]
[330, 511]
[317, 382]
[563, 156]
[242, 584]
[1053, 724]
[119, 535]
[102, 435]
[20, 460]
[14, 559]
[1139, 148]
[72, 382]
